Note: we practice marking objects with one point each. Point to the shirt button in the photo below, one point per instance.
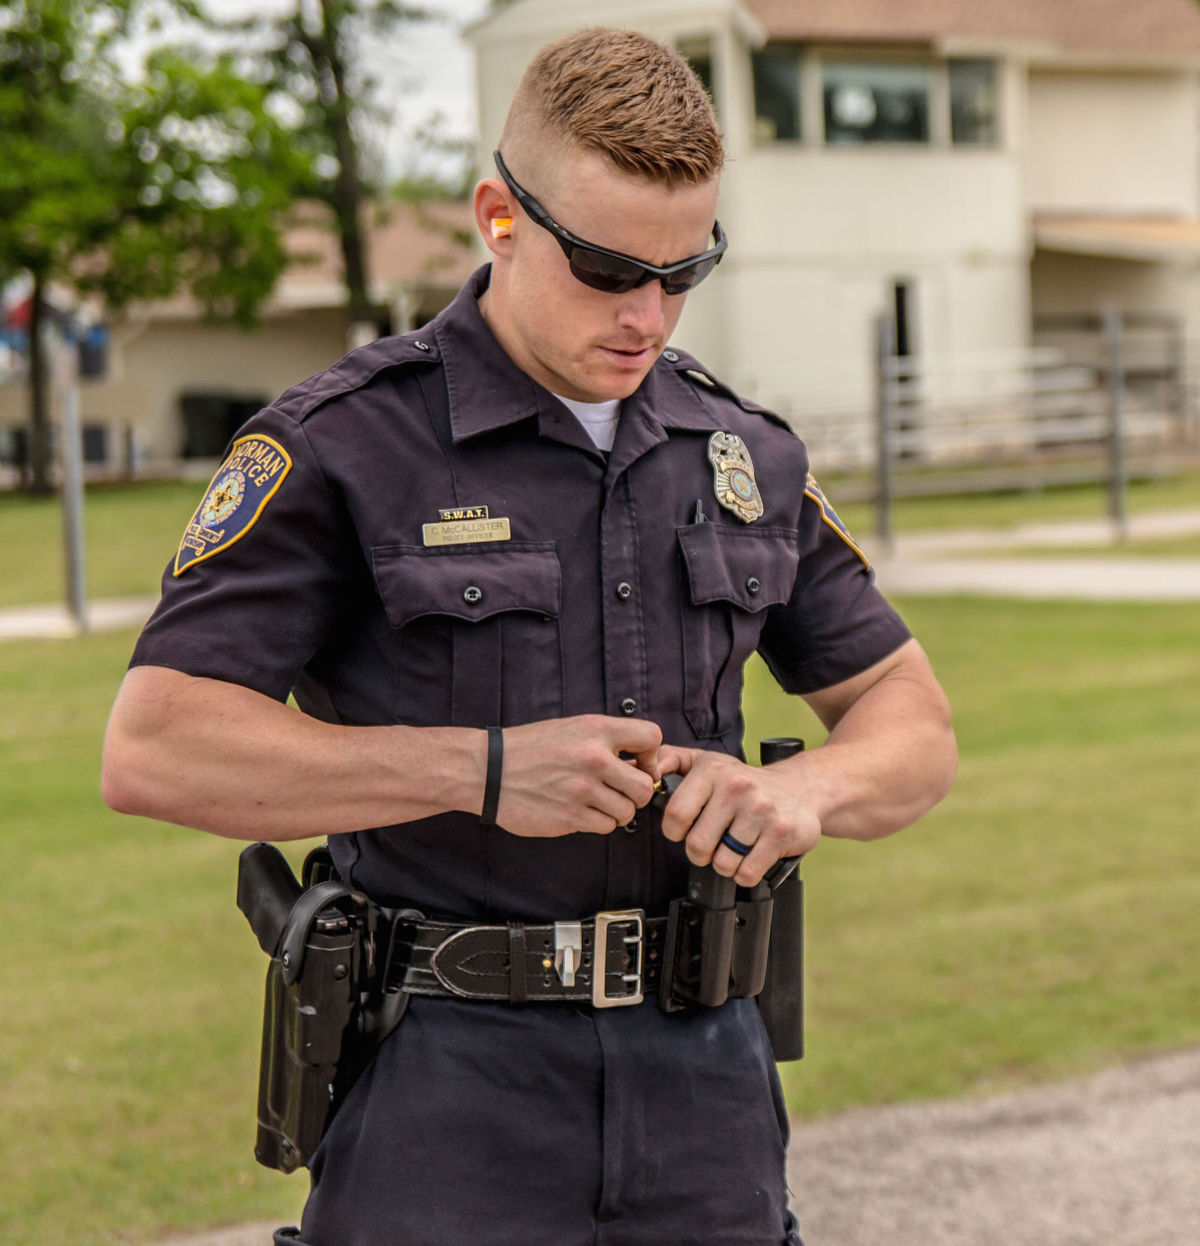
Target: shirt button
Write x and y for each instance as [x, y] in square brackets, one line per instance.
[629, 707]
[670, 356]
[472, 594]
[752, 584]
[624, 591]
[421, 345]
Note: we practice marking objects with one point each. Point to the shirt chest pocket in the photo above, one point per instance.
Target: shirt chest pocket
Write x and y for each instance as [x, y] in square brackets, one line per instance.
[478, 630]
[732, 575]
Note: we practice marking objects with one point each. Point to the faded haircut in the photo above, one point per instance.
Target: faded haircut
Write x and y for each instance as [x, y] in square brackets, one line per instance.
[622, 95]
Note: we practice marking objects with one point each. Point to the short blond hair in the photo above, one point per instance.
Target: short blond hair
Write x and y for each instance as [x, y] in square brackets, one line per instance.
[622, 95]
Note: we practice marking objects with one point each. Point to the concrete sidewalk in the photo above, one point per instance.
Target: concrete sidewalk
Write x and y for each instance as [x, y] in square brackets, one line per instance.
[1073, 579]
[55, 621]
[939, 563]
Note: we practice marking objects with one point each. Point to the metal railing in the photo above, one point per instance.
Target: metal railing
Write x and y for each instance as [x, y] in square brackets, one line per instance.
[1096, 399]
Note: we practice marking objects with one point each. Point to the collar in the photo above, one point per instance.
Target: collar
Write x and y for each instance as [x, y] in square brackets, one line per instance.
[488, 391]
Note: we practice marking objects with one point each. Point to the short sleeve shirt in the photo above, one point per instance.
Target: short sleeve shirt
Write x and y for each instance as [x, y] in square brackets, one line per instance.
[423, 535]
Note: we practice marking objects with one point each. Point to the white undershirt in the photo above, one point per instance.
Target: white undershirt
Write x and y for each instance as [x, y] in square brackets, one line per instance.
[598, 418]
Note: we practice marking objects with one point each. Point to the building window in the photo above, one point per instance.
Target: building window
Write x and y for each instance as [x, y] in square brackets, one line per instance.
[867, 102]
[974, 105]
[777, 94]
[698, 53]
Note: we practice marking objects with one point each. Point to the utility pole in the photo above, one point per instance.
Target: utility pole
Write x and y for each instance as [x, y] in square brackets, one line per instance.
[885, 346]
[1118, 481]
[74, 545]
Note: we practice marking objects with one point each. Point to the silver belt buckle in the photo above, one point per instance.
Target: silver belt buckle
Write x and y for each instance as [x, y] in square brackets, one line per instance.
[633, 977]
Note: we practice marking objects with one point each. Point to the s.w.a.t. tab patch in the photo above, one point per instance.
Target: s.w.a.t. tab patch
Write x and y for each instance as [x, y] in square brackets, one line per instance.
[240, 491]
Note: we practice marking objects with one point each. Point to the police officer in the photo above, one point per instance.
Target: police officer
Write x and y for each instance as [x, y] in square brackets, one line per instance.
[511, 566]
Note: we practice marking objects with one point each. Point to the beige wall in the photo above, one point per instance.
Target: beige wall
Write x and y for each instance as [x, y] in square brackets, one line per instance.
[798, 205]
[818, 237]
[1112, 142]
[1069, 284]
[152, 366]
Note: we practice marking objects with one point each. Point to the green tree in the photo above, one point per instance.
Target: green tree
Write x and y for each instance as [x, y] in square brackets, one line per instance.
[312, 57]
[178, 180]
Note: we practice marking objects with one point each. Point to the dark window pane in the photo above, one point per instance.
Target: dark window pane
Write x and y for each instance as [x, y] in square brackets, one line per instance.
[974, 105]
[777, 94]
[698, 54]
[875, 103]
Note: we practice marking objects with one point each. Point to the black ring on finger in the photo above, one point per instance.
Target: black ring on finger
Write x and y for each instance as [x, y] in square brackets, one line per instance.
[735, 845]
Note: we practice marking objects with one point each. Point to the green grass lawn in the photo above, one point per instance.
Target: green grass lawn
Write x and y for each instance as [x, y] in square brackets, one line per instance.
[130, 987]
[1042, 922]
[134, 529]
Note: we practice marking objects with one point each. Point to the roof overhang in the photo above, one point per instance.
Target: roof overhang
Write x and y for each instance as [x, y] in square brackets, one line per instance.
[1116, 32]
[544, 19]
[1150, 239]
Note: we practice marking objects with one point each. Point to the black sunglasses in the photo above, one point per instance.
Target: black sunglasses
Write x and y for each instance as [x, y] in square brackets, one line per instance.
[613, 271]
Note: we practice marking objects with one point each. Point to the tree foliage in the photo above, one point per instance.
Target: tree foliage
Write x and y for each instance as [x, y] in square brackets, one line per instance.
[133, 182]
[132, 186]
[311, 58]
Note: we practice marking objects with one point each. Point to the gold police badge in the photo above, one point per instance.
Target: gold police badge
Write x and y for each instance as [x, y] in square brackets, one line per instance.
[733, 477]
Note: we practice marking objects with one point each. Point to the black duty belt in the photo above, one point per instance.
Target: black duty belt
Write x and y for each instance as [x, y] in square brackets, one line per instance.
[608, 961]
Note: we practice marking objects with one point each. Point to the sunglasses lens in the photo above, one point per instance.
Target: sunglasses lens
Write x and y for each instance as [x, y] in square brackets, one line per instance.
[688, 278]
[605, 272]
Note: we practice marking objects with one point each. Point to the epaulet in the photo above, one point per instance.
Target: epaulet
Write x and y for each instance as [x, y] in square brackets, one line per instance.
[357, 370]
[692, 370]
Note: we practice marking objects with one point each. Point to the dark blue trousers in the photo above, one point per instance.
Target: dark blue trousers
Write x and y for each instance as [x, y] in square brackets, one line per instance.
[487, 1125]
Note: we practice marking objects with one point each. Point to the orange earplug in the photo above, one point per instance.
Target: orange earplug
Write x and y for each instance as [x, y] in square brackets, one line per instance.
[501, 226]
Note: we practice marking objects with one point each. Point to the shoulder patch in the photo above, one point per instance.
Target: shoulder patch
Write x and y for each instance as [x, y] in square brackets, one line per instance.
[244, 484]
[829, 515]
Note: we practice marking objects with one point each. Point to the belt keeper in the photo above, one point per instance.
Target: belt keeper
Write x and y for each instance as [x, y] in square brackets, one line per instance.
[518, 988]
[491, 786]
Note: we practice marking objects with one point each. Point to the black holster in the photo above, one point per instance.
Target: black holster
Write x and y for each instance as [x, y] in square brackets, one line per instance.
[729, 942]
[324, 1013]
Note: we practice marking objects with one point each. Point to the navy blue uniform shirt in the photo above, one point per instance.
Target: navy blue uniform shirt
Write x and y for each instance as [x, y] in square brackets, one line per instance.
[621, 585]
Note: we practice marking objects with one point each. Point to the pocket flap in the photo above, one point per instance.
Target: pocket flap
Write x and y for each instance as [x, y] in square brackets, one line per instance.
[753, 567]
[468, 584]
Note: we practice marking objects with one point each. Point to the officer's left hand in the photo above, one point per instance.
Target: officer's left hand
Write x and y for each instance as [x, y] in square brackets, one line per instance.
[762, 807]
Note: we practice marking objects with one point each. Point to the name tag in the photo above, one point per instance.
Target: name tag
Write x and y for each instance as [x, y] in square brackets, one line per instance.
[465, 531]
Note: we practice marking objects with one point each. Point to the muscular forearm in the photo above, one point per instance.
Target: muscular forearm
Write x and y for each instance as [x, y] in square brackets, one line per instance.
[225, 759]
[221, 758]
[890, 757]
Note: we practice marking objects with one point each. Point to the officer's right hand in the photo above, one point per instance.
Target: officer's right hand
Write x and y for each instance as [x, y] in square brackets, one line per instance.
[568, 775]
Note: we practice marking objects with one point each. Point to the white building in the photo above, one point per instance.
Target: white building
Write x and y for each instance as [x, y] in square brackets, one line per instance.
[965, 165]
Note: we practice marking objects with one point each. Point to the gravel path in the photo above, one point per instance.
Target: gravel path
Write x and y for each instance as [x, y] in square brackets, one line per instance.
[1113, 1158]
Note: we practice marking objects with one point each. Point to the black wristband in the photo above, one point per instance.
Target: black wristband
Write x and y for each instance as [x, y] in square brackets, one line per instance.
[491, 786]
